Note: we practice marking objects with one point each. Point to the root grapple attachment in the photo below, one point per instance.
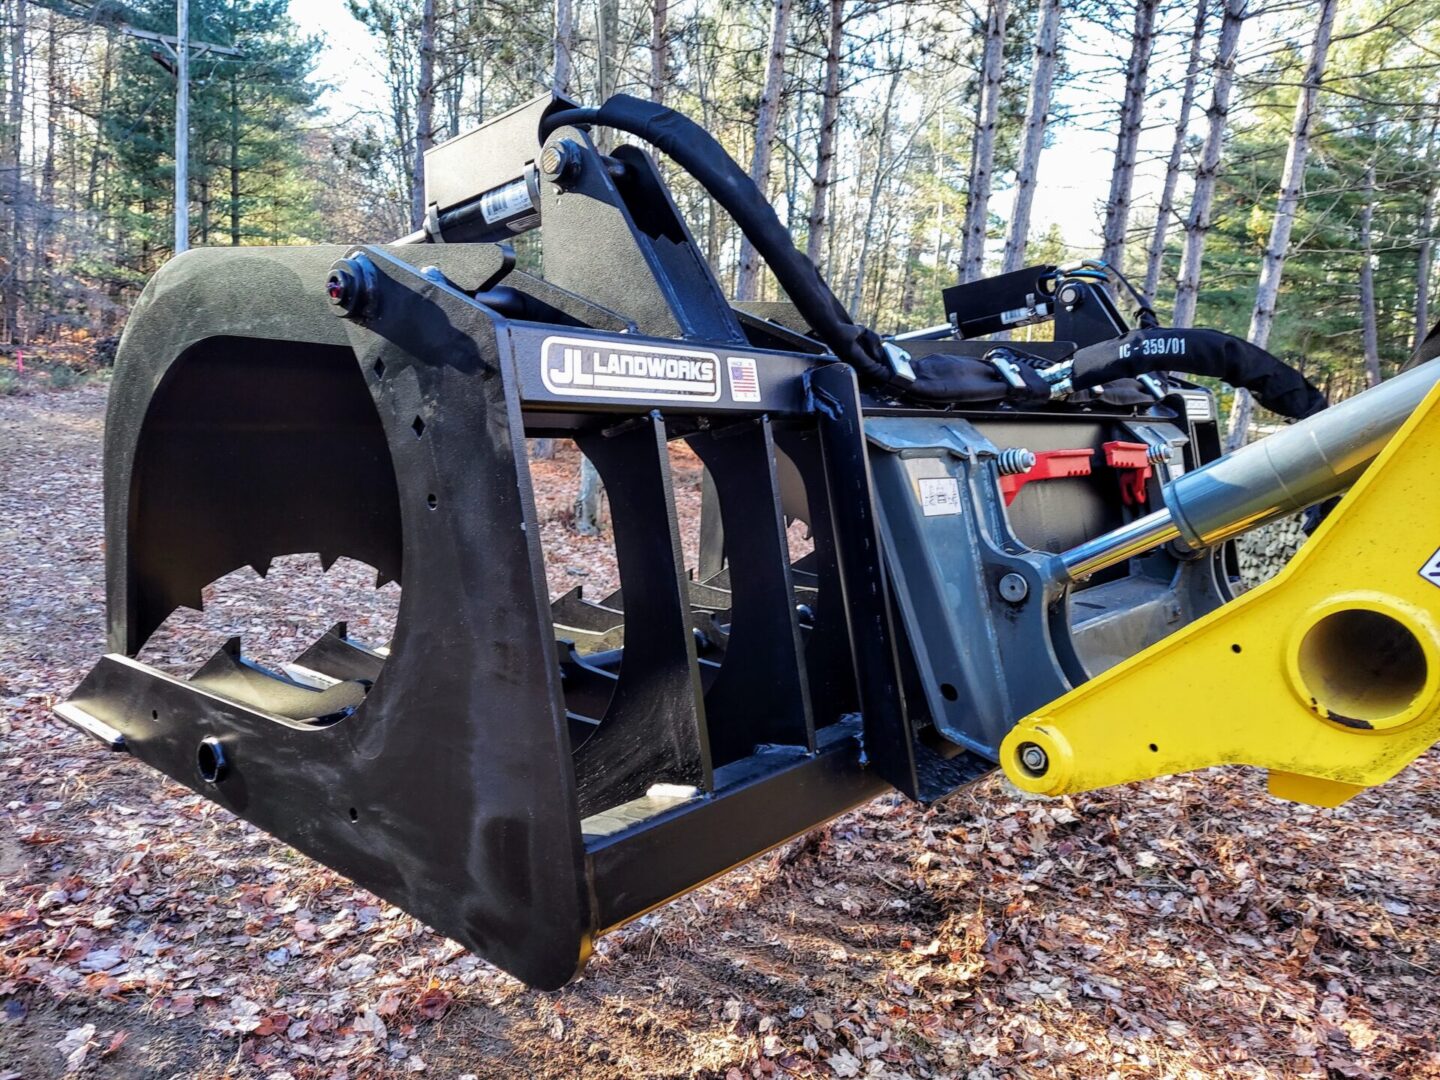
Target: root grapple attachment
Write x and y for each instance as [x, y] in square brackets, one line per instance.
[523, 774]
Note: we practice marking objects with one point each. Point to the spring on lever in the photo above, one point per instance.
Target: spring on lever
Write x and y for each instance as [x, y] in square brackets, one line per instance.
[1015, 459]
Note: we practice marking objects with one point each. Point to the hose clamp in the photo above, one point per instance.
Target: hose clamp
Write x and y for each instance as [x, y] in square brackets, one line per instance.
[1152, 385]
[1005, 362]
[432, 224]
[899, 361]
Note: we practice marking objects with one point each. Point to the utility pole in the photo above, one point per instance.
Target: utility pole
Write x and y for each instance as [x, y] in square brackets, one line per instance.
[177, 49]
[182, 126]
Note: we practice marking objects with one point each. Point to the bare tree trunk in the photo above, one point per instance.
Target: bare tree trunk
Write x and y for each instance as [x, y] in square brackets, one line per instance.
[424, 113]
[659, 50]
[1292, 180]
[790, 163]
[1042, 81]
[608, 67]
[453, 89]
[204, 194]
[877, 185]
[564, 63]
[765, 124]
[1127, 144]
[659, 58]
[92, 184]
[982, 154]
[704, 80]
[1155, 260]
[45, 208]
[831, 233]
[1197, 225]
[887, 253]
[942, 241]
[829, 123]
[587, 499]
[912, 262]
[1369, 331]
[181, 194]
[14, 187]
[1426, 255]
[234, 161]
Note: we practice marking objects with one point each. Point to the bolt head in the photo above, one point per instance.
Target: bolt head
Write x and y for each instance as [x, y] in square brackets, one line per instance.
[347, 288]
[1014, 588]
[1034, 759]
[559, 161]
[340, 287]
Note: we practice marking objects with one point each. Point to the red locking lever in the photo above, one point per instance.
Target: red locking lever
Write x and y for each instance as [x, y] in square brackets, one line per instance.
[1049, 465]
[1133, 459]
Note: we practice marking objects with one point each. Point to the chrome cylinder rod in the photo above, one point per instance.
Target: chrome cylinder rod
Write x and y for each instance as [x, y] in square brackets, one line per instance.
[1136, 538]
[1282, 474]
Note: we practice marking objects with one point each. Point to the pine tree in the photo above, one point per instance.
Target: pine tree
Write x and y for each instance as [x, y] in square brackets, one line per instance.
[247, 125]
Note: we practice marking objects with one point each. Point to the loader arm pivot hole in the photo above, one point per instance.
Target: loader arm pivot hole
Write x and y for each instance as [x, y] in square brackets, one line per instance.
[1361, 662]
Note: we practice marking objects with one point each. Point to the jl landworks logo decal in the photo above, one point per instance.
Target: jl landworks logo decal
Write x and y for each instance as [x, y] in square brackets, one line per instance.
[584, 368]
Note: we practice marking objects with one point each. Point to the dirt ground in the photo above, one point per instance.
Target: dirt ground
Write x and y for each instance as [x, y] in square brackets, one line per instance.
[1189, 928]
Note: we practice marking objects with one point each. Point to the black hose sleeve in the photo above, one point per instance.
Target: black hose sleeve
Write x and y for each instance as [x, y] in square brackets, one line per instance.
[566, 118]
[1276, 385]
[1145, 318]
[697, 152]
[942, 378]
[938, 378]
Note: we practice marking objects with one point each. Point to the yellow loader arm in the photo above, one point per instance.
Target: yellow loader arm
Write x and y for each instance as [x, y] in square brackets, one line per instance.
[1328, 675]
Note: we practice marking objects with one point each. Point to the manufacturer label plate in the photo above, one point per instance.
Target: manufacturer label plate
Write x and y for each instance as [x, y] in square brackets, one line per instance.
[580, 367]
[939, 496]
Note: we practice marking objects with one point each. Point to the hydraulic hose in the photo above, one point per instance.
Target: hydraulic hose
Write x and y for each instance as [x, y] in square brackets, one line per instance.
[938, 378]
[696, 151]
[1275, 384]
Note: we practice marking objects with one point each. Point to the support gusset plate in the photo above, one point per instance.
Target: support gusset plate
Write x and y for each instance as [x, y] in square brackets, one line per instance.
[1328, 675]
[761, 694]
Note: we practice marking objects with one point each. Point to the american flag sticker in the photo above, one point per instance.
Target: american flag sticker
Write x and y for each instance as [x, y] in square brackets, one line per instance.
[744, 382]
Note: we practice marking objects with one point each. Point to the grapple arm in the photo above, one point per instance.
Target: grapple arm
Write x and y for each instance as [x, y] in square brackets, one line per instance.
[523, 771]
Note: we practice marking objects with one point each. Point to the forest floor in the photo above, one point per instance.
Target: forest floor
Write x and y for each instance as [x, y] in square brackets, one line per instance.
[1189, 927]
